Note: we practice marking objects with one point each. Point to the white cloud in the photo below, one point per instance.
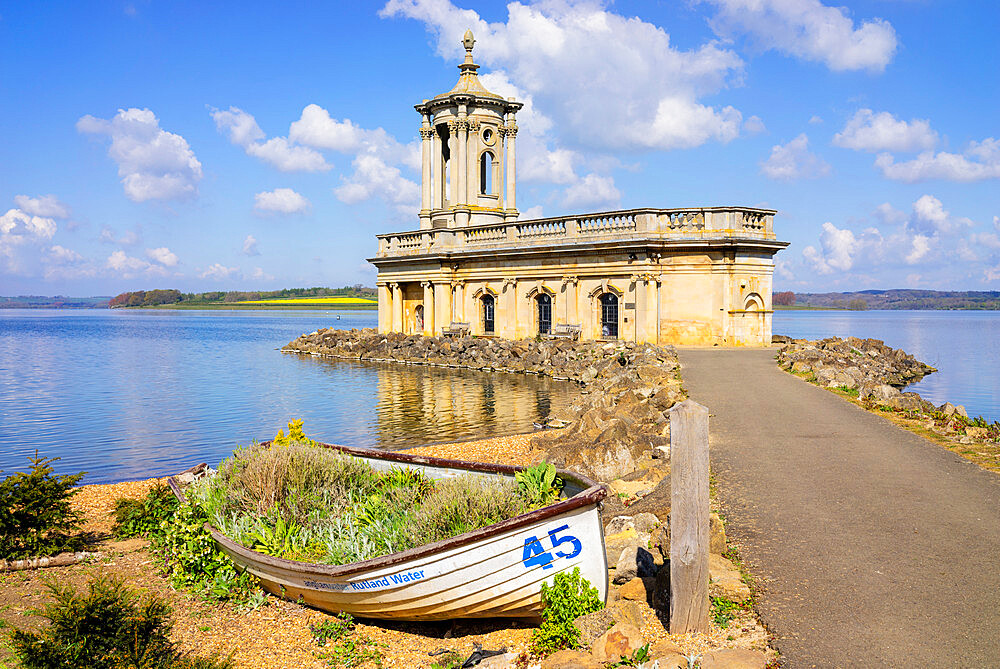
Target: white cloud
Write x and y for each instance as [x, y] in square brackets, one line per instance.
[531, 213]
[162, 255]
[20, 231]
[921, 245]
[603, 80]
[279, 152]
[794, 161]
[981, 160]
[47, 205]
[373, 178]
[889, 215]
[61, 255]
[592, 190]
[815, 120]
[809, 30]
[868, 131]
[260, 275]
[154, 164]
[929, 215]
[129, 266]
[754, 125]
[280, 200]
[128, 238]
[219, 271]
[315, 128]
[250, 246]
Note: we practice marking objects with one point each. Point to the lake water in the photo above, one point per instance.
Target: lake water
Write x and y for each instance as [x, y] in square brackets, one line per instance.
[129, 394]
[964, 346]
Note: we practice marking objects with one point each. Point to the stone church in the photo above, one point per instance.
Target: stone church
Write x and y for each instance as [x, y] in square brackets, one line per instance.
[666, 276]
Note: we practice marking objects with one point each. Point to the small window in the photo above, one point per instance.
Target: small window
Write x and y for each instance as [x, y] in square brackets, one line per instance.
[489, 311]
[609, 315]
[486, 173]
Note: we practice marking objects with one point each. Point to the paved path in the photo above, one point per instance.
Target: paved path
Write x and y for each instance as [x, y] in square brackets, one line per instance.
[877, 548]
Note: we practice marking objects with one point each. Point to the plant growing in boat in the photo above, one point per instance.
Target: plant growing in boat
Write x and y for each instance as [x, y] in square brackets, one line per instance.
[539, 484]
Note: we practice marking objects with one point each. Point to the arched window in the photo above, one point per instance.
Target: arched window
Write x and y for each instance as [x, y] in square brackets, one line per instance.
[488, 313]
[609, 315]
[486, 173]
[418, 317]
[544, 303]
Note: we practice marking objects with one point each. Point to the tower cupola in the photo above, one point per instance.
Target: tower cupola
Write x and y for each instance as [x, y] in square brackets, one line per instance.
[467, 153]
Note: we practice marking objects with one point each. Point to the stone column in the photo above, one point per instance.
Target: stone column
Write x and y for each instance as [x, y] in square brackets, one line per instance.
[442, 304]
[437, 171]
[458, 308]
[511, 204]
[426, 157]
[454, 167]
[384, 309]
[396, 318]
[462, 164]
[428, 308]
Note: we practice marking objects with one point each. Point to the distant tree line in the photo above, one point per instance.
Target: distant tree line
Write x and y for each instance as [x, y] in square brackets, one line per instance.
[916, 299]
[151, 298]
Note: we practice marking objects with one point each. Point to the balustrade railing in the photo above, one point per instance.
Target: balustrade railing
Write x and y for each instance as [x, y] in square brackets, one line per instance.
[654, 223]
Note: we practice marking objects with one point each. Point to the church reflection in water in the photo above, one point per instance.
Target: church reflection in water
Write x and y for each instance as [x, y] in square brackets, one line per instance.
[417, 404]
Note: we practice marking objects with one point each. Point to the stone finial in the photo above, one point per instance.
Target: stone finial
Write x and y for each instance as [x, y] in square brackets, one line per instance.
[468, 41]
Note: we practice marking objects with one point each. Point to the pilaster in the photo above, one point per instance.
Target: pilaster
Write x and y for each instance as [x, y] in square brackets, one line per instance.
[428, 308]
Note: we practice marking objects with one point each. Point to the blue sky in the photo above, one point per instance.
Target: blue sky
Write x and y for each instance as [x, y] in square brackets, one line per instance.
[250, 145]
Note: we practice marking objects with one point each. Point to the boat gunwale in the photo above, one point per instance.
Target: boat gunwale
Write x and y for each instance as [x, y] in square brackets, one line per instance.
[593, 493]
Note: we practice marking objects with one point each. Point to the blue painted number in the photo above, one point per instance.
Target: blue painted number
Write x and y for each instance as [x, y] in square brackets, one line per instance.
[535, 553]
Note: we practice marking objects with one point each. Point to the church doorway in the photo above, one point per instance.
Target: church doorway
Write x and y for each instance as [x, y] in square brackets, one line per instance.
[609, 316]
[544, 314]
[489, 306]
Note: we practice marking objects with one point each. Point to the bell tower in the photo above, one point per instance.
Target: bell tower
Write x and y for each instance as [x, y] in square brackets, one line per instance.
[467, 153]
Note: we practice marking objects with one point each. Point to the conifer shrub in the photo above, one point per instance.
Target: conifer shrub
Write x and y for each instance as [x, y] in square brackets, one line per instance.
[106, 627]
[36, 515]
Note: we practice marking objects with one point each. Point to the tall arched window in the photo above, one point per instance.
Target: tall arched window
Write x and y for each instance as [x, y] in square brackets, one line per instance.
[609, 315]
[488, 314]
[544, 313]
[418, 318]
[486, 173]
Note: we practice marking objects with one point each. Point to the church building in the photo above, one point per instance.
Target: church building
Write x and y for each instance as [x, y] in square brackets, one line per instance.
[665, 276]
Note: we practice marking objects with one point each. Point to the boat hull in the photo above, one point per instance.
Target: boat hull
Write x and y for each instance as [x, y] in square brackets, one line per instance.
[496, 571]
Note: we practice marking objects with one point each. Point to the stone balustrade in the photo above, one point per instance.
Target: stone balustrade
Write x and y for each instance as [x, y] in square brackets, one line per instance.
[633, 224]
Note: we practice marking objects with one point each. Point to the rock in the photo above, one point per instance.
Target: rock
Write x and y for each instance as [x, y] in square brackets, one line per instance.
[801, 367]
[634, 561]
[626, 611]
[659, 541]
[882, 393]
[725, 580]
[620, 524]
[595, 624]
[637, 589]
[615, 545]
[948, 409]
[661, 588]
[664, 647]
[612, 506]
[975, 432]
[657, 502]
[733, 658]
[505, 661]
[620, 641]
[670, 661]
[570, 659]
[630, 488]
[716, 534]
[960, 410]
[645, 522]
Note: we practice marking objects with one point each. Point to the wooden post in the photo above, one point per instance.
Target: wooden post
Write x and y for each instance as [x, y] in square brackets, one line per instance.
[689, 606]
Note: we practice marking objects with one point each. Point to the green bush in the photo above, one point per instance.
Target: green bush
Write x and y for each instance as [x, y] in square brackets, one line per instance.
[569, 597]
[108, 627]
[36, 517]
[144, 517]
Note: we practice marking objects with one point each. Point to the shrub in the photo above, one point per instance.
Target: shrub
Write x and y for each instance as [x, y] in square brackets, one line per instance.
[144, 517]
[108, 627]
[463, 504]
[569, 597]
[36, 516]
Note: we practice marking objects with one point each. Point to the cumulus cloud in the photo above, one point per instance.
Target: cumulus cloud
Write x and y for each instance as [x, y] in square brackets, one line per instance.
[929, 216]
[868, 131]
[373, 178]
[61, 255]
[590, 68]
[592, 190]
[153, 164]
[810, 30]
[127, 238]
[162, 255]
[19, 229]
[280, 201]
[279, 152]
[794, 161]
[754, 125]
[260, 275]
[979, 161]
[250, 246]
[219, 271]
[889, 215]
[129, 266]
[47, 206]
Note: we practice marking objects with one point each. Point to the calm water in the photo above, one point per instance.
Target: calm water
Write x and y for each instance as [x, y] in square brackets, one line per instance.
[131, 394]
[963, 345]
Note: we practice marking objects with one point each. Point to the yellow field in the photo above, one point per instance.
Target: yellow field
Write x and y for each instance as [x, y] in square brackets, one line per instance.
[311, 300]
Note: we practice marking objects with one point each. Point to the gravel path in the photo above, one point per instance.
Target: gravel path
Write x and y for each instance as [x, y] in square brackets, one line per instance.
[876, 547]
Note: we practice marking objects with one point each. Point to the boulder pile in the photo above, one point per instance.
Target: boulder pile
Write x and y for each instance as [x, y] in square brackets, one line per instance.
[875, 371]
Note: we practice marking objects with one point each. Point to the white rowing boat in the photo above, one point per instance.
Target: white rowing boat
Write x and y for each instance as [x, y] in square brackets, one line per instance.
[496, 571]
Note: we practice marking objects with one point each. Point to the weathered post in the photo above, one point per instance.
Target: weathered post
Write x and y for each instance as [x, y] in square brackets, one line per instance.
[688, 518]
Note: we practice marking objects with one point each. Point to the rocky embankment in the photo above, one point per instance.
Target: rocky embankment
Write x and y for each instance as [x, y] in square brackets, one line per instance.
[877, 375]
[618, 432]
